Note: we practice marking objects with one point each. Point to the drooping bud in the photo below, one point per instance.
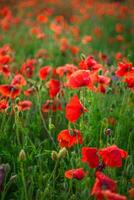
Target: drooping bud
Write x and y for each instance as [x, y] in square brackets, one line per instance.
[13, 178]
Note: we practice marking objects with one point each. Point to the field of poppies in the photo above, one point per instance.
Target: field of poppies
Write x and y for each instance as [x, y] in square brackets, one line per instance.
[67, 100]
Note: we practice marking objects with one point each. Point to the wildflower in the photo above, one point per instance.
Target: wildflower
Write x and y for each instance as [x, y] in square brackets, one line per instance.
[102, 183]
[90, 156]
[24, 105]
[18, 81]
[74, 109]
[54, 87]
[78, 79]
[78, 174]
[67, 69]
[44, 71]
[108, 195]
[112, 156]
[9, 91]
[3, 104]
[51, 105]
[66, 139]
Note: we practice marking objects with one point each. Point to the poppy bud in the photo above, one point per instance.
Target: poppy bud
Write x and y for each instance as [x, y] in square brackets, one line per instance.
[22, 155]
[62, 153]
[82, 56]
[17, 100]
[100, 72]
[13, 178]
[8, 110]
[54, 155]
[40, 60]
[108, 90]
[15, 109]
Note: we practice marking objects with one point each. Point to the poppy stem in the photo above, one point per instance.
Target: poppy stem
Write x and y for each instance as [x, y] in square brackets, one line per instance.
[17, 129]
[23, 181]
[42, 118]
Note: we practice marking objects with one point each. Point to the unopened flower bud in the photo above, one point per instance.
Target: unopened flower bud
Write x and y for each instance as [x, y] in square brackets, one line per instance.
[54, 155]
[13, 178]
[62, 153]
[22, 155]
[17, 100]
[8, 110]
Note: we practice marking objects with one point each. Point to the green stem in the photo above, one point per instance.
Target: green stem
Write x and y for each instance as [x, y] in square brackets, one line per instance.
[23, 181]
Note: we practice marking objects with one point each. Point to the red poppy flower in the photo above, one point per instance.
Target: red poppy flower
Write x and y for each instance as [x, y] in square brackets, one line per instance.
[103, 82]
[54, 87]
[90, 156]
[4, 69]
[67, 69]
[124, 68]
[4, 59]
[18, 80]
[51, 105]
[88, 63]
[37, 32]
[29, 91]
[27, 68]
[86, 39]
[108, 195]
[24, 105]
[44, 71]
[3, 104]
[74, 50]
[102, 183]
[64, 45]
[42, 18]
[74, 109]
[78, 79]
[66, 139]
[78, 174]
[9, 91]
[118, 56]
[112, 156]
[130, 82]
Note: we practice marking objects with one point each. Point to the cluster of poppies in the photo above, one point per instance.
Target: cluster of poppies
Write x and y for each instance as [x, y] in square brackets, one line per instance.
[86, 75]
[93, 72]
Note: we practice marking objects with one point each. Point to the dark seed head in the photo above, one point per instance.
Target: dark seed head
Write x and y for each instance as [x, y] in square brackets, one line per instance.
[107, 131]
[100, 167]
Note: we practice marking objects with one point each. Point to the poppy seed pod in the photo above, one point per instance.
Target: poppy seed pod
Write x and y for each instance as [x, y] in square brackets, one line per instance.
[22, 155]
[62, 153]
[107, 131]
